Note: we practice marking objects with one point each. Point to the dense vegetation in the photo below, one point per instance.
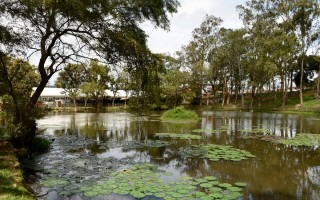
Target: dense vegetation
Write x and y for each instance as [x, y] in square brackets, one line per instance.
[99, 45]
[59, 32]
[180, 114]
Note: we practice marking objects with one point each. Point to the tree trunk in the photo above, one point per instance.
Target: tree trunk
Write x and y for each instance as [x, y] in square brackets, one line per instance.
[35, 96]
[74, 102]
[213, 88]
[23, 128]
[318, 84]
[285, 92]
[252, 97]
[242, 95]
[301, 81]
[114, 97]
[291, 80]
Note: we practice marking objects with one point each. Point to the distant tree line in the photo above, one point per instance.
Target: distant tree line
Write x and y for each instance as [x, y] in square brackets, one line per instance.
[99, 44]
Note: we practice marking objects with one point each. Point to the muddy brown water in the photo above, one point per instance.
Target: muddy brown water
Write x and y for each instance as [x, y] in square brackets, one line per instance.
[277, 172]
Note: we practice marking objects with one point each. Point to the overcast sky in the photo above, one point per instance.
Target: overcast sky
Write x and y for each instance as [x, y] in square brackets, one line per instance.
[190, 15]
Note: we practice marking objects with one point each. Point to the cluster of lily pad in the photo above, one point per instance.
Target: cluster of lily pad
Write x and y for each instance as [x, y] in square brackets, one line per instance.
[255, 130]
[182, 136]
[216, 152]
[144, 144]
[141, 180]
[89, 176]
[208, 131]
[268, 138]
[303, 139]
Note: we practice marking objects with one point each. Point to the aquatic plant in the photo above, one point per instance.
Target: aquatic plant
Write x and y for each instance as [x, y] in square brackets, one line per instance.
[140, 180]
[207, 131]
[181, 136]
[255, 130]
[179, 114]
[216, 152]
[303, 139]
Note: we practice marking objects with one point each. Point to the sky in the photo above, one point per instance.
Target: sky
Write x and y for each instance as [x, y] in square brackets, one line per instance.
[190, 15]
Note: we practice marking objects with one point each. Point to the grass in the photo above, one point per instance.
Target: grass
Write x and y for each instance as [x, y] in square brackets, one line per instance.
[269, 102]
[11, 178]
[179, 114]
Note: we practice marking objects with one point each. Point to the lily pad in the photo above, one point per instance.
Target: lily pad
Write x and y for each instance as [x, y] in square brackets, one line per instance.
[234, 189]
[201, 180]
[224, 185]
[206, 185]
[90, 193]
[137, 194]
[217, 152]
[210, 178]
[303, 139]
[51, 182]
[206, 131]
[182, 136]
[240, 184]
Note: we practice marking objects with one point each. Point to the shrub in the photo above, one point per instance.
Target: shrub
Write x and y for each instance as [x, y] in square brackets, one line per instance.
[40, 145]
[179, 114]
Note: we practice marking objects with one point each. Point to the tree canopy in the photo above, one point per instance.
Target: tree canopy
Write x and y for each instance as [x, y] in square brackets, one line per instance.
[57, 32]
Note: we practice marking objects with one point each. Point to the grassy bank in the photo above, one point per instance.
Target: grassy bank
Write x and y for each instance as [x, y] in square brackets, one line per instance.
[273, 102]
[11, 178]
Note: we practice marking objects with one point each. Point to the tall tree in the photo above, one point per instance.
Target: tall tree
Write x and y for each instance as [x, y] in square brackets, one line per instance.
[226, 63]
[302, 16]
[70, 79]
[198, 49]
[17, 77]
[264, 55]
[57, 32]
[97, 81]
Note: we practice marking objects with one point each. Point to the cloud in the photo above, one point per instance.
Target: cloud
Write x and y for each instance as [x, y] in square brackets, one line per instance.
[189, 16]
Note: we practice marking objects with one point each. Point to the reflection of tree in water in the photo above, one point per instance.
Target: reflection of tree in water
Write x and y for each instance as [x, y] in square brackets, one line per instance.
[278, 171]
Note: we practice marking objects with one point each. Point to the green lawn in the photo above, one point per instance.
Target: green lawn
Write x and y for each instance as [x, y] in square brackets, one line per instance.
[11, 187]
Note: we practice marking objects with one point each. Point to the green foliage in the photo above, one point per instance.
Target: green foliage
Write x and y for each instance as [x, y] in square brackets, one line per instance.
[60, 32]
[11, 184]
[179, 114]
[40, 145]
[16, 82]
[70, 79]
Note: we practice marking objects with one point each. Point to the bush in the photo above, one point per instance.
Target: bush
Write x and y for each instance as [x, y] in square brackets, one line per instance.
[40, 145]
[179, 114]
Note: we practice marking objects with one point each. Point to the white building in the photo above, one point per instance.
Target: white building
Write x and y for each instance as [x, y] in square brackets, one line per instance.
[57, 97]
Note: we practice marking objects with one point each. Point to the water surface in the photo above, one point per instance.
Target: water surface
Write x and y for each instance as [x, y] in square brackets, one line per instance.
[277, 172]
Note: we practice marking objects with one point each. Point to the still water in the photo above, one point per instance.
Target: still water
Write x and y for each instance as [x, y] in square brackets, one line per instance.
[277, 172]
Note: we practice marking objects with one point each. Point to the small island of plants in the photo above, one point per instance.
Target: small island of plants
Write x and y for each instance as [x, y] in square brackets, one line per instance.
[179, 114]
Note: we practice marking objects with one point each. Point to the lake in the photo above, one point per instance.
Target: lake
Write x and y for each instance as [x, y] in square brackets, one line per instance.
[90, 149]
